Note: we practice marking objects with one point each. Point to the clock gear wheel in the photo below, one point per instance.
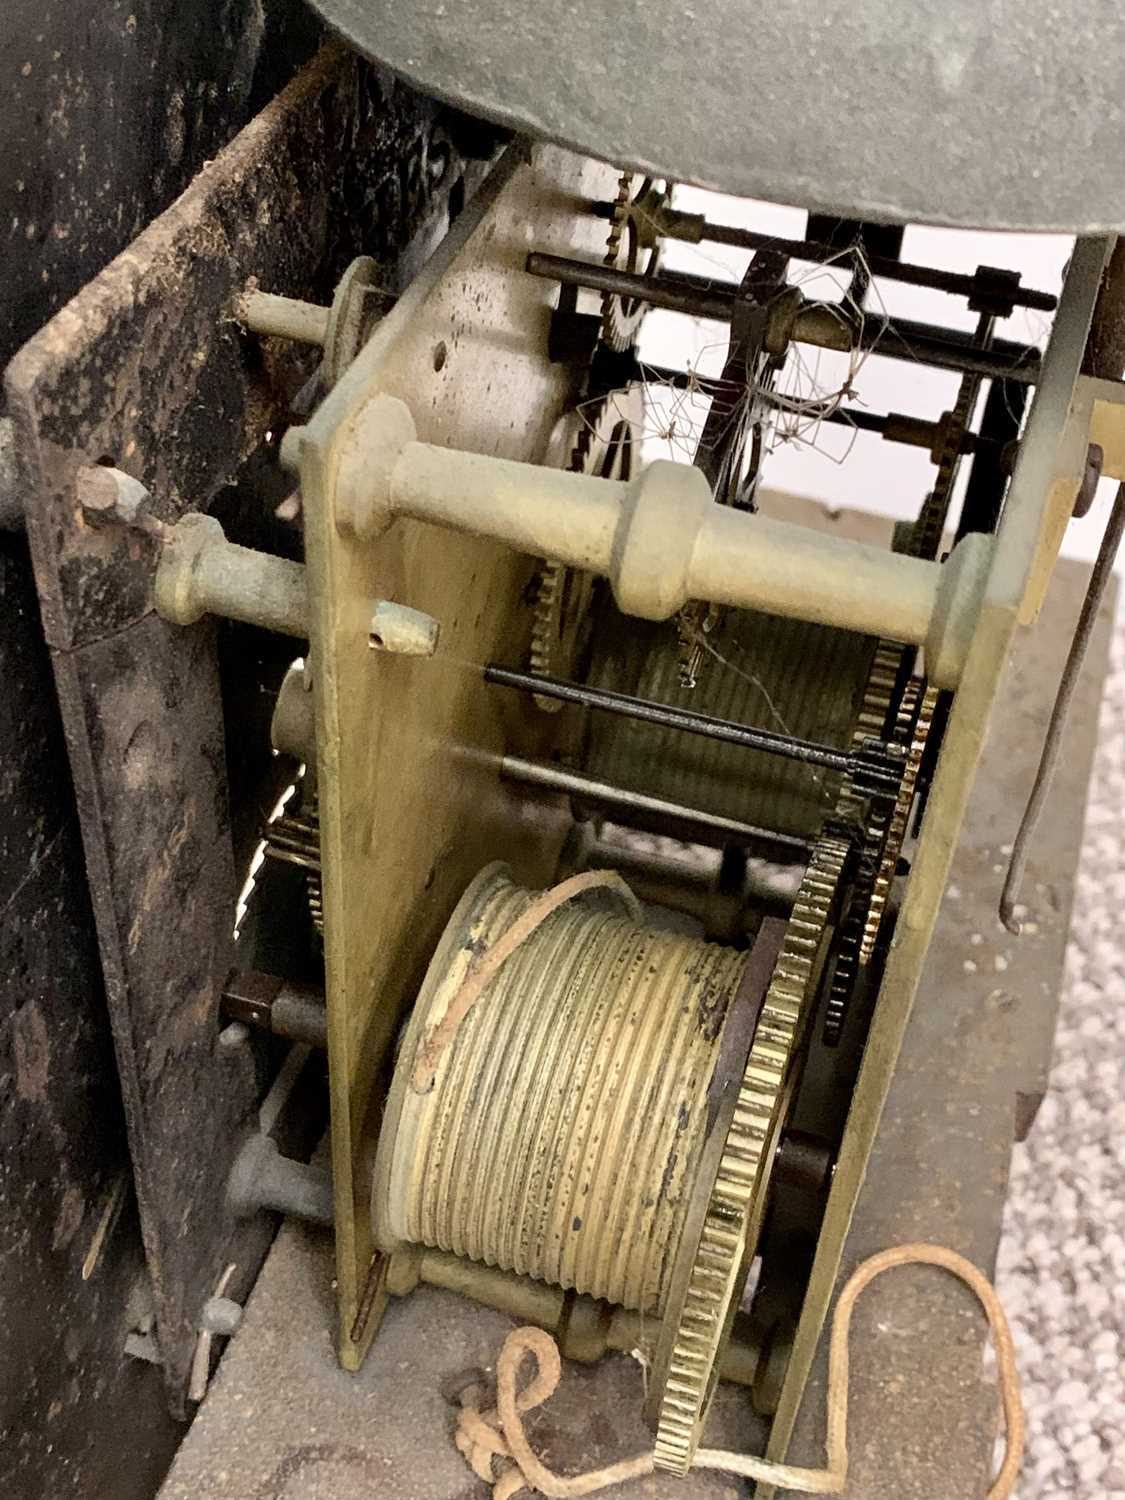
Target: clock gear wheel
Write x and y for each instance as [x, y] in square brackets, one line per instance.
[602, 439]
[697, 1321]
[633, 245]
[885, 828]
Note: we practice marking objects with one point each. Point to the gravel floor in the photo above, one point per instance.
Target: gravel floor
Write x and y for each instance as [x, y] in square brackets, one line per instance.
[1062, 1259]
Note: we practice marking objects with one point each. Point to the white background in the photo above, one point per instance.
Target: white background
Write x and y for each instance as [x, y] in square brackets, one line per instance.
[841, 466]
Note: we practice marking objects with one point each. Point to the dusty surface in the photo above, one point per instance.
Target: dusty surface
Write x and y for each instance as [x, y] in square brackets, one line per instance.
[284, 1422]
[1062, 1257]
[973, 1066]
[148, 367]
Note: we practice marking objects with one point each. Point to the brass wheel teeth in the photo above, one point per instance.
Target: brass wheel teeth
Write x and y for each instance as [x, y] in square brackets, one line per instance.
[913, 718]
[550, 653]
[618, 325]
[618, 328]
[296, 840]
[314, 883]
[916, 715]
[547, 656]
[619, 218]
[925, 540]
[582, 452]
[878, 694]
[621, 316]
[316, 901]
[884, 830]
[744, 1165]
[544, 626]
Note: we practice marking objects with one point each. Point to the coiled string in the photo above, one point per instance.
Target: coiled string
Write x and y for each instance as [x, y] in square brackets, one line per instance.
[482, 1437]
[486, 967]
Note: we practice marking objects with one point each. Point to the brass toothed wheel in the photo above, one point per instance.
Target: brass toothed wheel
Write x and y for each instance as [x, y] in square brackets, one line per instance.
[712, 1263]
[633, 245]
[601, 439]
[295, 839]
[916, 714]
[562, 602]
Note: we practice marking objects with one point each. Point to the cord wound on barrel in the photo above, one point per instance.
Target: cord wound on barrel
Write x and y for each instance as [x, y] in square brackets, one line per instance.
[562, 1132]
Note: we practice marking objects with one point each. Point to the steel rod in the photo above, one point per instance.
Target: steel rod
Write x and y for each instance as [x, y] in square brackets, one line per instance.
[269, 1003]
[284, 317]
[821, 324]
[825, 326]
[612, 798]
[683, 294]
[946, 348]
[693, 228]
[895, 427]
[785, 746]
[1053, 742]
[293, 857]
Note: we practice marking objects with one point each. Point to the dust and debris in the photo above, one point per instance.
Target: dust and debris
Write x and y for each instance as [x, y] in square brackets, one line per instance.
[711, 1007]
[175, 130]
[32, 1050]
[116, 369]
[68, 1221]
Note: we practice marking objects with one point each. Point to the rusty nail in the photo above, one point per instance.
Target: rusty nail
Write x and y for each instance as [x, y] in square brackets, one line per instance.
[107, 494]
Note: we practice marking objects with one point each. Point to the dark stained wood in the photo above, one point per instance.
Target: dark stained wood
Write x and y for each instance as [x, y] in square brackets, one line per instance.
[147, 368]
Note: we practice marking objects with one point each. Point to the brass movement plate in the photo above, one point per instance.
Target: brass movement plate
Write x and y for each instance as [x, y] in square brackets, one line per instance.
[1051, 461]
[411, 804]
[409, 749]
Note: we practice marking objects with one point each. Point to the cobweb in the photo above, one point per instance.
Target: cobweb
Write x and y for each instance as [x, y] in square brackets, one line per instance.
[768, 410]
